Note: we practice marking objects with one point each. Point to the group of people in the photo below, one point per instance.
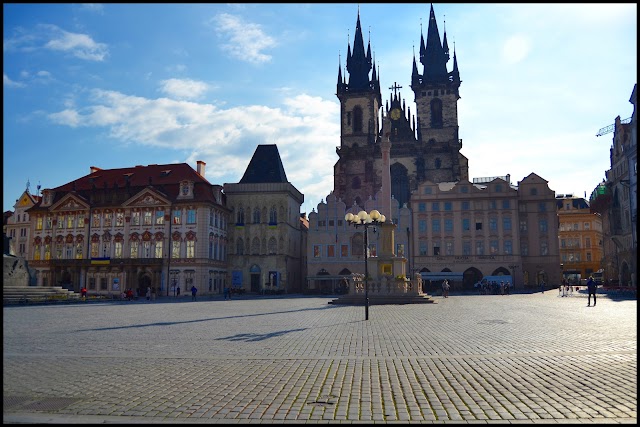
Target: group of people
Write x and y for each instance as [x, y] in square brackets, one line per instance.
[494, 288]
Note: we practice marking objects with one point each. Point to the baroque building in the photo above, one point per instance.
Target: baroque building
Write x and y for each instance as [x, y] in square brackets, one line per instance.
[157, 226]
[426, 168]
[580, 236]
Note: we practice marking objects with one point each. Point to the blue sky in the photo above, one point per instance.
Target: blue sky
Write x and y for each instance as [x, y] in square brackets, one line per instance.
[119, 85]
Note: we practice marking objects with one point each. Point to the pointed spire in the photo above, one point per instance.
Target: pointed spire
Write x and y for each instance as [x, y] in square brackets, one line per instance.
[445, 45]
[359, 63]
[434, 59]
[415, 77]
[455, 73]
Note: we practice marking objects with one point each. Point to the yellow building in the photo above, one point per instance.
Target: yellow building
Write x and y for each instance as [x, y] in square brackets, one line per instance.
[580, 237]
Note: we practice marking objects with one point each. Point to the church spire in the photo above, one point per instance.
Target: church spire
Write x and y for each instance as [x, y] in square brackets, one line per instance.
[435, 59]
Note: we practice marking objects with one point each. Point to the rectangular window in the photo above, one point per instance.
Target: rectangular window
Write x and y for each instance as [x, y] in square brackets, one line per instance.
[493, 224]
[47, 252]
[542, 207]
[466, 247]
[427, 190]
[479, 247]
[422, 226]
[175, 249]
[344, 250]
[524, 248]
[69, 252]
[466, 205]
[134, 249]
[39, 223]
[506, 204]
[191, 249]
[96, 220]
[506, 223]
[543, 225]
[508, 247]
[422, 207]
[317, 251]
[119, 219]
[108, 216]
[80, 220]
[70, 221]
[106, 250]
[493, 247]
[576, 226]
[589, 256]
[146, 218]
[423, 248]
[47, 223]
[159, 217]
[159, 249]
[466, 224]
[587, 242]
[544, 248]
[135, 218]
[331, 251]
[92, 283]
[103, 283]
[435, 225]
[436, 250]
[118, 250]
[586, 226]
[448, 225]
[191, 216]
[478, 225]
[448, 206]
[177, 214]
[94, 249]
[146, 249]
[448, 248]
[60, 221]
[492, 205]
[523, 225]
[435, 206]
[36, 253]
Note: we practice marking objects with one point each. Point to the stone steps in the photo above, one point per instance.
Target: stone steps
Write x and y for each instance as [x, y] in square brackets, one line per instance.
[23, 294]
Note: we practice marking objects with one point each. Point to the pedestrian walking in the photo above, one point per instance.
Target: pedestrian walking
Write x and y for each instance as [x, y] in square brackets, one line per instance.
[194, 290]
[445, 289]
[592, 287]
[542, 286]
[225, 291]
[502, 287]
[149, 293]
[178, 291]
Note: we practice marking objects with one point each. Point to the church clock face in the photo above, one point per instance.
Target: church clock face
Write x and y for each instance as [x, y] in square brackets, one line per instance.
[395, 114]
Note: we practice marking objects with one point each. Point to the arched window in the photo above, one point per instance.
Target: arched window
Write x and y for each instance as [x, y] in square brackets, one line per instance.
[400, 183]
[273, 246]
[273, 215]
[256, 216]
[255, 246]
[240, 216]
[240, 247]
[436, 113]
[357, 119]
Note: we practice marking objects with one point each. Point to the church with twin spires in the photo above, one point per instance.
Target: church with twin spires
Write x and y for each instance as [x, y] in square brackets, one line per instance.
[437, 212]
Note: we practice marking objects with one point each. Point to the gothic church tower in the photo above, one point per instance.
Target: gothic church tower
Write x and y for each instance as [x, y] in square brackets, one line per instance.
[436, 96]
[355, 177]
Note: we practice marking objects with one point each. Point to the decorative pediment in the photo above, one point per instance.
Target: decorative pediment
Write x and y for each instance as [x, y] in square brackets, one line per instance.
[147, 197]
[70, 202]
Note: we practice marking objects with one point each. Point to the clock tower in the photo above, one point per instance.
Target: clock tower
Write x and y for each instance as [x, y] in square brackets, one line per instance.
[355, 178]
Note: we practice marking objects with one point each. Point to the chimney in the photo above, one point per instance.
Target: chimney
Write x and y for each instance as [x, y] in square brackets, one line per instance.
[201, 166]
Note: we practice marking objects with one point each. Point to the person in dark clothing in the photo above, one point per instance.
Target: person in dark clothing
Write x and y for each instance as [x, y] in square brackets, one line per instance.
[193, 292]
[592, 287]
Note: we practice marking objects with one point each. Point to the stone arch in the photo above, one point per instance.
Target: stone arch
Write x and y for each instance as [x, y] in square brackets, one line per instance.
[469, 277]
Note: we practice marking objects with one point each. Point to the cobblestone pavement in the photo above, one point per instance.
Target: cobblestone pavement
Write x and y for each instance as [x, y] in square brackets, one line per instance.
[521, 358]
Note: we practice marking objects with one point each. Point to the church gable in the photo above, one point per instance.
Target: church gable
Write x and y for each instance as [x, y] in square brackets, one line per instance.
[147, 197]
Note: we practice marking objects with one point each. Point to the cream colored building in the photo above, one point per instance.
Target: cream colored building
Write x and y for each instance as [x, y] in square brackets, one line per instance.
[267, 235]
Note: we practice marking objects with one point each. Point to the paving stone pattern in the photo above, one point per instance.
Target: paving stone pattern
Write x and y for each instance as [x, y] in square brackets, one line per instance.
[475, 359]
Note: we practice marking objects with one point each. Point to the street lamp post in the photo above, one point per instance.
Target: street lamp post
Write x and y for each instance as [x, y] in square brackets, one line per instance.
[366, 220]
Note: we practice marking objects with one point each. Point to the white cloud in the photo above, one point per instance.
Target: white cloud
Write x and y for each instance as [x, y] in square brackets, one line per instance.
[244, 40]
[79, 45]
[7, 82]
[93, 7]
[515, 49]
[183, 88]
[305, 130]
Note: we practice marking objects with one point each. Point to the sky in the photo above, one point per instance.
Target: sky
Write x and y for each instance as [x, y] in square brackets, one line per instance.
[119, 85]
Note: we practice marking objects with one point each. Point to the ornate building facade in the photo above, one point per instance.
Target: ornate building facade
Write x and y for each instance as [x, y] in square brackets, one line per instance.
[157, 226]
